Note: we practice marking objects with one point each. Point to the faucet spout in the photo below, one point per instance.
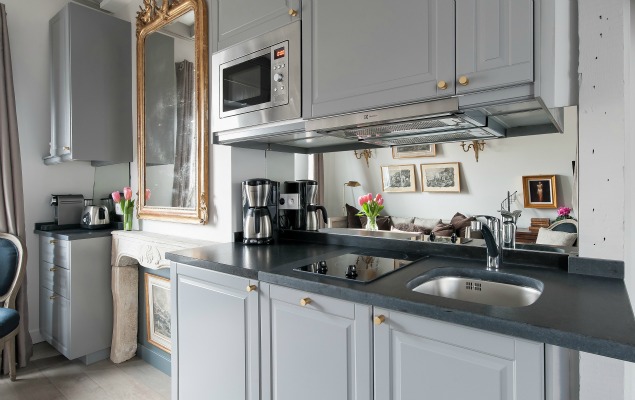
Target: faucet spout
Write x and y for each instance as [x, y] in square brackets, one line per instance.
[492, 236]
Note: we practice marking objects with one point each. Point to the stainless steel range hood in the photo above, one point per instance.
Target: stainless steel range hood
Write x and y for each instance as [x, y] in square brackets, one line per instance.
[430, 122]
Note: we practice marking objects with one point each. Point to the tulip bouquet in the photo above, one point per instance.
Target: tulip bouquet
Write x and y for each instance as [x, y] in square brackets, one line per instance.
[127, 205]
[371, 207]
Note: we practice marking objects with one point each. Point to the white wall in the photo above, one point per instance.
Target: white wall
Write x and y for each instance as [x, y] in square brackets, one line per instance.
[484, 184]
[29, 40]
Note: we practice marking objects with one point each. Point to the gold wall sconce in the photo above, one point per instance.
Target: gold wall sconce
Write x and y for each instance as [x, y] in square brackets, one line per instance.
[366, 153]
[476, 146]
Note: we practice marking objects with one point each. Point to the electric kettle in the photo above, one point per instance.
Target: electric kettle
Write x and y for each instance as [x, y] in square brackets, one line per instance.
[95, 217]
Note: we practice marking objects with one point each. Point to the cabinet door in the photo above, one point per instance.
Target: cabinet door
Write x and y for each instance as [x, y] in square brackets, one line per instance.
[317, 351]
[216, 337]
[238, 20]
[361, 54]
[426, 359]
[494, 43]
[60, 89]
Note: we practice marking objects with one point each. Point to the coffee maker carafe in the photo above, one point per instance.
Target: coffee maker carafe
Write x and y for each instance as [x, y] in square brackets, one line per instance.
[298, 206]
[259, 210]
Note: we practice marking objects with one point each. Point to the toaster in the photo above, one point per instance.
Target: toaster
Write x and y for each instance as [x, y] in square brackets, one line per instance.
[95, 217]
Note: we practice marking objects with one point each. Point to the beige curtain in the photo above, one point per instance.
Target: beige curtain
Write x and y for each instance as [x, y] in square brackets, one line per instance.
[183, 193]
[11, 197]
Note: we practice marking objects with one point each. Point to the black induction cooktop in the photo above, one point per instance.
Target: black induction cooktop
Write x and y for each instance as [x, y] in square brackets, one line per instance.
[360, 266]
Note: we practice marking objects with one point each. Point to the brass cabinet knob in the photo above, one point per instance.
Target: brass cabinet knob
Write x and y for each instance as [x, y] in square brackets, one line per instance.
[305, 301]
[52, 241]
[52, 297]
[251, 288]
[67, 148]
[293, 13]
[53, 269]
[464, 80]
[378, 320]
[442, 85]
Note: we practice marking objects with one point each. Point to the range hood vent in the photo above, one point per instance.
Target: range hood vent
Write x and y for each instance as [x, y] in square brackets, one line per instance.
[421, 123]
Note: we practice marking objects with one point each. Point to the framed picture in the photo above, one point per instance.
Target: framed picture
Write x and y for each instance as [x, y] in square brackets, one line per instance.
[414, 151]
[158, 311]
[540, 191]
[440, 177]
[398, 178]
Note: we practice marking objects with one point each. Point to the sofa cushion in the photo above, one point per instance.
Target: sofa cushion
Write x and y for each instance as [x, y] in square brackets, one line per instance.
[383, 223]
[410, 228]
[547, 236]
[401, 220]
[354, 221]
[442, 229]
[460, 223]
[428, 223]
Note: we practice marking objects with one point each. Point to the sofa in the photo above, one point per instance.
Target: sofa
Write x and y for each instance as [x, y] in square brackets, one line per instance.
[457, 224]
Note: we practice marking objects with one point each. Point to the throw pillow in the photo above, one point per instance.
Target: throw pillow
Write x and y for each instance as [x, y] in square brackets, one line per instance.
[411, 228]
[428, 223]
[401, 220]
[547, 236]
[443, 229]
[460, 223]
[383, 223]
[353, 220]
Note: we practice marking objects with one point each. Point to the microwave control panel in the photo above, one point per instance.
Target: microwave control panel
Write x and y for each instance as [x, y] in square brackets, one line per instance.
[279, 74]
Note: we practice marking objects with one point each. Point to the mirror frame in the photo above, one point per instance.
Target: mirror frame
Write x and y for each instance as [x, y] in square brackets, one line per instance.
[150, 19]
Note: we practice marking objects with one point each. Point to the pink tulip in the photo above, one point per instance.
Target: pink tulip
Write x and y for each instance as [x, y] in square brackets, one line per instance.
[147, 194]
[127, 193]
[378, 197]
[360, 200]
[380, 201]
[116, 197]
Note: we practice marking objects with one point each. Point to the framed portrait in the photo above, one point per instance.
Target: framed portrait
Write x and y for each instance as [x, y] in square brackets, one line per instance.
[540, 191]
[398, 178]
[440, 177]
[158, 311]
[414, 151]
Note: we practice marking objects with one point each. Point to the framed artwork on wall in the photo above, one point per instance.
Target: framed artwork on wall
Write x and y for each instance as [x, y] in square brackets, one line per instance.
[158, 311]
[440, 177]
[414, 151]
[398, 178]
[539, 191]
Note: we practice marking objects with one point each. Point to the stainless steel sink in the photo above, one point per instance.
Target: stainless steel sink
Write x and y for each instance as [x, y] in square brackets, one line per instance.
[539, 247]
[493, 288]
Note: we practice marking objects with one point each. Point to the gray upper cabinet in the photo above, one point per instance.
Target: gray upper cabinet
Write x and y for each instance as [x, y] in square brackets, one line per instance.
[238, 20]
[494, 44]
[215, 335]
[417, 357]
[91, 83]
[314, 347]
[362, 54]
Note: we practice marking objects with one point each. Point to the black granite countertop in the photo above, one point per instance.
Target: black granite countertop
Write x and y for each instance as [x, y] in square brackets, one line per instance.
[581, 312]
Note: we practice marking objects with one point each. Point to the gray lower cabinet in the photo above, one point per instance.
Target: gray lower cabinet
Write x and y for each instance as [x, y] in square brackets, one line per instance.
[314, 347]
[76, 296]
[91, 83]
[215, 335]
[238, 20]
[417, 358]
[362, 54]
[494, 44]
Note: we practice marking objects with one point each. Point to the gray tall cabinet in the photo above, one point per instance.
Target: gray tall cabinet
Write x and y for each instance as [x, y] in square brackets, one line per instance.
[91, 84]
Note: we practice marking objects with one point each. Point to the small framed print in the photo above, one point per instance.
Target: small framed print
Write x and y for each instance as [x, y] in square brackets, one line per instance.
[539, 191]
[440, 177]
[398, 178]
[158, 314]
[414, 151]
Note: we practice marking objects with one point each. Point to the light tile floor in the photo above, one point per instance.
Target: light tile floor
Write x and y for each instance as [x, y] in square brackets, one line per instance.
[50, 376]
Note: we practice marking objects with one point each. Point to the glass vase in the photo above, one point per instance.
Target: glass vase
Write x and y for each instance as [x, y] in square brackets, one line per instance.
[371, 223]
[127, 219]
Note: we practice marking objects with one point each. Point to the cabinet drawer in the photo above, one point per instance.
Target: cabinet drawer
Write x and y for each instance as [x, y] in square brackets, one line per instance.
[55, 279]
[55, 251]
[313, 301]
[55, 319]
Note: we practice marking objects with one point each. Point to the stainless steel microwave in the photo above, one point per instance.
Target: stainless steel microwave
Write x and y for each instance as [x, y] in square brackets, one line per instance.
[258, 81]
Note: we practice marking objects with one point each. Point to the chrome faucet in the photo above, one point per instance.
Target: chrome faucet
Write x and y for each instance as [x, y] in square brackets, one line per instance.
[492, 234]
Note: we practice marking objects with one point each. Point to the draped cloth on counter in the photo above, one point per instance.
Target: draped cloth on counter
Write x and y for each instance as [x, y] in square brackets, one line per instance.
[11, 194]
[185, 173]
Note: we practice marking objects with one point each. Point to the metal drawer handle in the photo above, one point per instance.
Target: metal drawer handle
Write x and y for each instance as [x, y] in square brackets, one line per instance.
[53, 269]
[52, 241]
[53, 297]
[251, 288]
[305, 301]
[67, 148]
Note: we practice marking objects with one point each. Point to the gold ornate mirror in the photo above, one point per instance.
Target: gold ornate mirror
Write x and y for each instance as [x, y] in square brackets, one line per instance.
[172, 97]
